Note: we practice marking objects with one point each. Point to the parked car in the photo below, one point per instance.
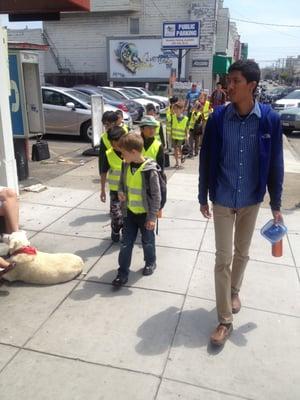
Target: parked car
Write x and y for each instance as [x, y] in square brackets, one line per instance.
[290, 101]
[148, 94]
[133, 108]
[68, 112]
[290, 120]
[277, 93]
[125, 94]
[134, 94]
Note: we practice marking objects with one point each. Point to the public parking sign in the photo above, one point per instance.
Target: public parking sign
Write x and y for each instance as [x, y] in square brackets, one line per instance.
[181, 35]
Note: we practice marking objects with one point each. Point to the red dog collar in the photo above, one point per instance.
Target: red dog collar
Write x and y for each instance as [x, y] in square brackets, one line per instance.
[25, 250]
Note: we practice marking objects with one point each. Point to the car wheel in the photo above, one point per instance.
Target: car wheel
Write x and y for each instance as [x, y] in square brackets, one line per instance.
[86, 131]
[287, 131]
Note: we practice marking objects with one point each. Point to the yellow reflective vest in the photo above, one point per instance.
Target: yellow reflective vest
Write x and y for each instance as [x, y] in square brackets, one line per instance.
[105, 140]
[134, 189]
[114, 173]
[125, 127]
[152, 150]
[206, 110]
[179, 128]
[194, 117]
[168, 121]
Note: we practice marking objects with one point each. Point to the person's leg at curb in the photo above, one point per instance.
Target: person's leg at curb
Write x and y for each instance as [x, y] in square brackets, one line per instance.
[223, 222]
[129, 236]
[244, 228]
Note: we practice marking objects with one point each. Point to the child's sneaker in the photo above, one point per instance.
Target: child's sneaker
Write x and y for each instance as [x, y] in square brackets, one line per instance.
[149, 269]
[119, 281]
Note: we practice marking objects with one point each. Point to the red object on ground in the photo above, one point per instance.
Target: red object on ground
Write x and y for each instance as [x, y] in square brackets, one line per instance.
[277, 249]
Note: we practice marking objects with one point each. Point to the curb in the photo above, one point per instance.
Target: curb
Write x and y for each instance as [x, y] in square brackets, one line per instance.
[287, 144]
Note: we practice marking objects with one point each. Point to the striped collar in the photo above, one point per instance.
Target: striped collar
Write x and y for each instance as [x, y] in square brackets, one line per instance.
[232, 112]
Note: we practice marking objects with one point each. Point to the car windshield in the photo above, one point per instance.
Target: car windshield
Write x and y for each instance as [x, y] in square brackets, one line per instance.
[293, 95]
[113, 93]
[276, 90]
[134, 91]
[148, 92]
[129, 93]
[79, 96]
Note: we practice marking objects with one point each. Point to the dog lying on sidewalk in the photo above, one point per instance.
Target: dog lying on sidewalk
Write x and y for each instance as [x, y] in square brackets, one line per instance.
[33, 266]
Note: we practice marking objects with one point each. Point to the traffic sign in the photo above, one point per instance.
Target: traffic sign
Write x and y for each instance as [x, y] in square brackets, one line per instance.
[181, 35]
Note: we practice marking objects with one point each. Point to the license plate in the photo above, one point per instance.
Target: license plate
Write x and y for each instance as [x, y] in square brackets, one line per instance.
[285, 124]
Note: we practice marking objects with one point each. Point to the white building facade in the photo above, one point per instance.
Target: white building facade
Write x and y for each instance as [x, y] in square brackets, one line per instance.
[78, 41]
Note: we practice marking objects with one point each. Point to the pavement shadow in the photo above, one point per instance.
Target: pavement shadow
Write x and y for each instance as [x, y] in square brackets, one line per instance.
[194, 330]
[97, 218]
[96, 286]
[96, 251]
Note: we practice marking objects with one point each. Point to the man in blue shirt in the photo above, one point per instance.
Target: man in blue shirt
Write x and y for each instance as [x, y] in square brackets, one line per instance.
[191, 96]
[241, 156]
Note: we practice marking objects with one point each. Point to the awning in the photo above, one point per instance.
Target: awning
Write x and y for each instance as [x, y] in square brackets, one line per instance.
[221, 64]
[42, 6]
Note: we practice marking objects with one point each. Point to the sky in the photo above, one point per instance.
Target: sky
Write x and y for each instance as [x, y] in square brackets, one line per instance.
[266, 43]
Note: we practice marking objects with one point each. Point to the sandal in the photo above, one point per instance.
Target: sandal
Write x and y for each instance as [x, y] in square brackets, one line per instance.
[7, 269]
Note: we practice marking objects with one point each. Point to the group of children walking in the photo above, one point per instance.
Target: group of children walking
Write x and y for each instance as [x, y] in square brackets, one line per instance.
[133, 166]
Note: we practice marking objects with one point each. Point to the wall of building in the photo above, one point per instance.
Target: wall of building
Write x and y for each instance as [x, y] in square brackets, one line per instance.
[30, 36]
[78, 40]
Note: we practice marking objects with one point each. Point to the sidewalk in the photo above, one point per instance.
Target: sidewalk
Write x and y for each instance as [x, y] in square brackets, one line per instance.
[81, 340]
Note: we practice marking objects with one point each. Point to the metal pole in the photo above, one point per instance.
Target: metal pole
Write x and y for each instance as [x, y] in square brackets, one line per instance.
[8, 168]
[179, 63]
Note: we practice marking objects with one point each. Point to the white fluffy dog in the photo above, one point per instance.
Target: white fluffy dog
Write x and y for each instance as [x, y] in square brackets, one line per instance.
[33, 266]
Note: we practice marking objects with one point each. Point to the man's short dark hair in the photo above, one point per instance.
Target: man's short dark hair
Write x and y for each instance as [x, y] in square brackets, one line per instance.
[219, 83]
[150, 107]
[248, 68]
[115, 133]
[109, 116]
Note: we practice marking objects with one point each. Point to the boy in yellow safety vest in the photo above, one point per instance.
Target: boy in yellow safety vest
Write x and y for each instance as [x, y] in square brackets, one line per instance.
[169, 112]
[111, 171]
[206, 109]
[109, 120]
[195, 130]
[159, 132]
[120, 121]
[179, 132]
[153, 148]
[141, 205]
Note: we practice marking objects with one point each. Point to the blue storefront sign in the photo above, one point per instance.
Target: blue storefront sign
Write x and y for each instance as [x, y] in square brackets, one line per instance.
[181, 35]
[15, 97]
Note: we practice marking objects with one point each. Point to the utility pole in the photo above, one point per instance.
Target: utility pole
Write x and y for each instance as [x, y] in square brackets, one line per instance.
[8, 168]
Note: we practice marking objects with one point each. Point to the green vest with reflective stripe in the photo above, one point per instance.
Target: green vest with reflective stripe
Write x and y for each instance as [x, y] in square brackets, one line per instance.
[157, 136]
[206, 110]
[114, 174]
[168, 121]
[179, 128]
[106, 142]
[125, 127]
[134, 188]
[152, 150]
[194, 116]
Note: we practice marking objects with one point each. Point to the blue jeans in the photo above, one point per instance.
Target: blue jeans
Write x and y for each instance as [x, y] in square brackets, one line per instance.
[133, 223]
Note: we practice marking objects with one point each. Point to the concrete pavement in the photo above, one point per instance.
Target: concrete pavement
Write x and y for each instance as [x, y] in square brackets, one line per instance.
[82, 340]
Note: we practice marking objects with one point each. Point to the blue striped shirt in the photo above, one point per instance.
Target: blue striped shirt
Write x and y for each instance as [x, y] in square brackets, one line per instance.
[238, 176]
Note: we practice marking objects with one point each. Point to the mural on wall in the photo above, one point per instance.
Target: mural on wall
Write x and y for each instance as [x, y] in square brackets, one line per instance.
[140, 58]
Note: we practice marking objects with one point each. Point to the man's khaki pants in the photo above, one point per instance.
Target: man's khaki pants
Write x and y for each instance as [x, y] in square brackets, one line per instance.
[229, 281]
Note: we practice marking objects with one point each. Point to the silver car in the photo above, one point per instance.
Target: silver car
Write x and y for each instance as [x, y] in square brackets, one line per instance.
[68, 112]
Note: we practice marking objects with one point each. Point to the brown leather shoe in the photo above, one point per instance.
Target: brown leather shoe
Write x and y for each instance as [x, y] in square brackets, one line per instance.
[221, 334]
[235, 303]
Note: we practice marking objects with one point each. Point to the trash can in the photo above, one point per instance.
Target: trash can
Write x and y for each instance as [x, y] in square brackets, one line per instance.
[20, 146]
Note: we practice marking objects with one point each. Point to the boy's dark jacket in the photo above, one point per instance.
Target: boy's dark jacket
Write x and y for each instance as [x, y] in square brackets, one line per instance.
[271, 169]
[150, 189]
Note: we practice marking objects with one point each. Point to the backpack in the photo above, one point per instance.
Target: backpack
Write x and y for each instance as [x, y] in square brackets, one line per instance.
[162, 184]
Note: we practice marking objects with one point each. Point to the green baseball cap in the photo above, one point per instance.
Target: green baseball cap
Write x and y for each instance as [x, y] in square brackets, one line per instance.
[149, 120]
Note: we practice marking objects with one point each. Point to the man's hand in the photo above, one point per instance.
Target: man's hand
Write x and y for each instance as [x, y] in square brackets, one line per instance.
[205, 211]
[103, 196]
[121, 197]
[277, 216]
[150, 225]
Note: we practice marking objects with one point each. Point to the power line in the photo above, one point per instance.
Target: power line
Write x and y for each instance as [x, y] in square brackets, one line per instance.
[265, 23]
